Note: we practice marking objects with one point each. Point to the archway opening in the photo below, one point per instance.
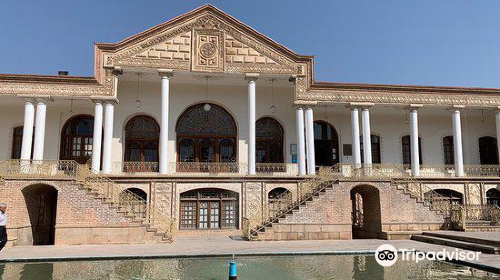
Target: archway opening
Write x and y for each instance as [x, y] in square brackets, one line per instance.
[326, 144]
[205, 136]
[278, 200]
[209, 208]
[142, 137]
[41, 203]
[269, 145]
[366, 213]
[77, 139]
[493, 197]
[444, 196]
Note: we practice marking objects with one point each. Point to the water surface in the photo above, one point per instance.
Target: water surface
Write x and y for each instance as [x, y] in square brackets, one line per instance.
[324, 267]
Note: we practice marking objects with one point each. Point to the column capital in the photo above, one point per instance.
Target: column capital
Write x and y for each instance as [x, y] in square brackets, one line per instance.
[412, 107]
[117, 71]
[251, 77]
[456, 108]
[102, 100]
[166, 73]
[305, 104]
[360, 105]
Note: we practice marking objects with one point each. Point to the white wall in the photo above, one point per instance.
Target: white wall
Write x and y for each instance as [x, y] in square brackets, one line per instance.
[386, 121]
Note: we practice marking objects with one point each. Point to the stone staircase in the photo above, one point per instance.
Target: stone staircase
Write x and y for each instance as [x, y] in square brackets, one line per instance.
[151, 234]
[454, 239]
[284, 227]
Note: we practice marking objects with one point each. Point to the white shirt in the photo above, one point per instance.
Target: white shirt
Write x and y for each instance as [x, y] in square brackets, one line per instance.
[3, 219]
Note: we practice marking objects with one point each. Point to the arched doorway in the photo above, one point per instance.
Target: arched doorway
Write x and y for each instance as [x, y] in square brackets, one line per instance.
[278, 199]
[77, 139]
[488, 150]
[493, 197]
[366, 213]
[205, 136]
[209, 209]
[269, 141]
[326, 144]
[41, 203]
[142, 137]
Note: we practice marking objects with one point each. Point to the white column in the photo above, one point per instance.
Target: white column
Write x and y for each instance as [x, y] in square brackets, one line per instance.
[165, 97]
[301, 141]
[29, 119]
[311, 160]
[457, 144]
[97, 137]
[367, 141]
[41, 113]
[497, 122]
[356, 149]
[415, 157]
[109, 110]
[251, 78]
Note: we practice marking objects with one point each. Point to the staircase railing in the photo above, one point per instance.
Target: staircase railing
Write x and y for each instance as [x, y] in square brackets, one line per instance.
[282, 204]
[487, 212]
[399, 175]
[132, 205]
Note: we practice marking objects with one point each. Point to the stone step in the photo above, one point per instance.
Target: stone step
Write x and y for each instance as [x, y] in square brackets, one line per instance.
[469, 239]
[398, 235]
[482, 228]
[457, 244]
[477, 223]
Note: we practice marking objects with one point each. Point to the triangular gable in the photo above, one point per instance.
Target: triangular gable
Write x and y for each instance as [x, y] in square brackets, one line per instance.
[204, 40]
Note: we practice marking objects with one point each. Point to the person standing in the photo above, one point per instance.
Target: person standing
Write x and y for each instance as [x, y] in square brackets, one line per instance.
[3, 225]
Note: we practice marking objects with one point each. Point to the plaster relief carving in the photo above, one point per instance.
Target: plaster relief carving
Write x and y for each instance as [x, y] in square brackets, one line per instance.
[207, 50]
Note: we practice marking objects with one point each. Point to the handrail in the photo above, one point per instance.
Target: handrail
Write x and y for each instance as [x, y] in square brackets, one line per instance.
[131, 204]
[265, 216]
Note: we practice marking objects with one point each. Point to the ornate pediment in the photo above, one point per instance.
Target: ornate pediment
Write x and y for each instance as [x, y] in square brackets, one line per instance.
[205, 40]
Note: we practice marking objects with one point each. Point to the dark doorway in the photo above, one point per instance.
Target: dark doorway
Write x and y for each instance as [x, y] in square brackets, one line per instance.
[366, 213]
[41, 202]
[488, 150]
[326, 144]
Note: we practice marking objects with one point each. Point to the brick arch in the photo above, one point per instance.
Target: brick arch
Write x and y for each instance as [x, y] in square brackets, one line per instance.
[41, 205]
[366, 211]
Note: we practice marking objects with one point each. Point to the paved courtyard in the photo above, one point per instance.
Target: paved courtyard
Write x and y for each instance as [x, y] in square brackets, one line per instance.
[221, 246]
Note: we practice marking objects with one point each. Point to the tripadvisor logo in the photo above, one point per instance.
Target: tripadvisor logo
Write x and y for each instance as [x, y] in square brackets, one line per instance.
[387, 255]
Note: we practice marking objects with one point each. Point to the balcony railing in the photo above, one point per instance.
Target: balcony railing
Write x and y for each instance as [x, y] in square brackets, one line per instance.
[426, 170]
[135, 167]
[57, 169]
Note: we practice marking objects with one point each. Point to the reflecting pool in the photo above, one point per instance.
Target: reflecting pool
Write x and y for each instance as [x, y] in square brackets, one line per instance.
[249, 268]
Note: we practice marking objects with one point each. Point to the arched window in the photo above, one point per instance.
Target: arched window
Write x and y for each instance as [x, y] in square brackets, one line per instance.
[406, 148]
[448, 149]
[326, 144]
[77, 139]
[375, 141]
[279, 199]
[451, 196]
[142, 135]
[206, 135]
[208, 209]
[493, 197]
[17, 142]
[488, 150]
[269, 141]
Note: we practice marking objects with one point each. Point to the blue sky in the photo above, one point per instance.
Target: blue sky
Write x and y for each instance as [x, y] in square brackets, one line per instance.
[424, 42]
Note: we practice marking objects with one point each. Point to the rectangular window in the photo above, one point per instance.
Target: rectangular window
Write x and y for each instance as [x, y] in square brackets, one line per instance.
[188, 214]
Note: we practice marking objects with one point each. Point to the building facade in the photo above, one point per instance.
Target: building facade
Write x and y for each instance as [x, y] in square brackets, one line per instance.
[201, 125]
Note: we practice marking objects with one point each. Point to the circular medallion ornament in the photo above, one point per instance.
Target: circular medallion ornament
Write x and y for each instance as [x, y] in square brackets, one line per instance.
[208, 50]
